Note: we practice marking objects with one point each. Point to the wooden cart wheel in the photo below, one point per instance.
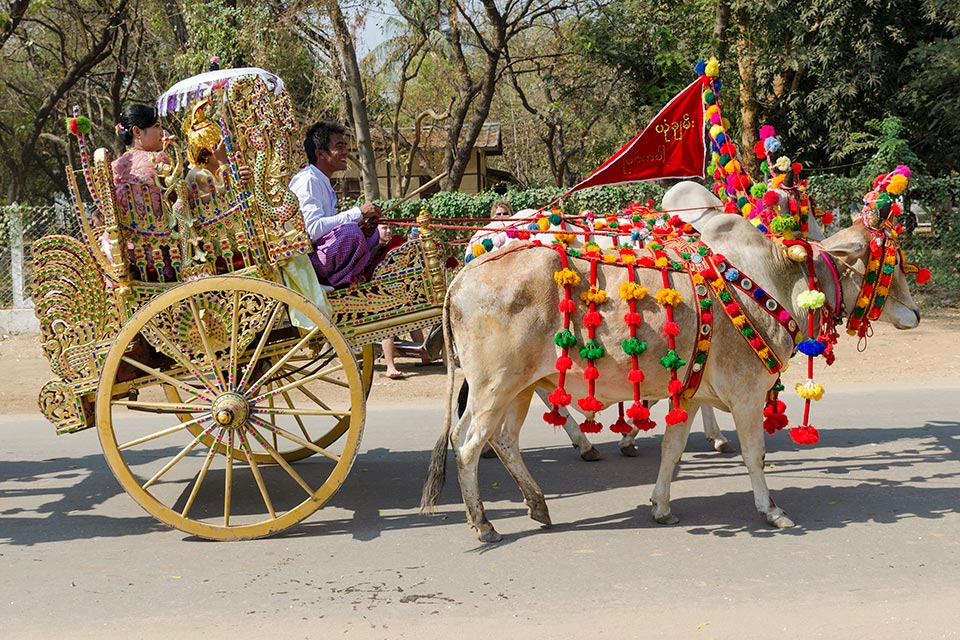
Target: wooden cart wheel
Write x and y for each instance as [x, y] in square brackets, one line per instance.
[226, 344]
[321, 435]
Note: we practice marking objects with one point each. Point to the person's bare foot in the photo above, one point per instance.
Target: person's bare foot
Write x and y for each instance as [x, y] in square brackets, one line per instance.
[394, 375]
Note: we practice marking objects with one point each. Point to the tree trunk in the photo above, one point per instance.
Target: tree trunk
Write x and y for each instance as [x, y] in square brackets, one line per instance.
[749, 116]
[353, 87]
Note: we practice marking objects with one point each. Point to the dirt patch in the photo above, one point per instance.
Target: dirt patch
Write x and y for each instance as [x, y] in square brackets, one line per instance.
[928, 356]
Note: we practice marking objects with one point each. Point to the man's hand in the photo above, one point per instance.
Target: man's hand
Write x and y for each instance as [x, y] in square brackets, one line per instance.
[370, 212]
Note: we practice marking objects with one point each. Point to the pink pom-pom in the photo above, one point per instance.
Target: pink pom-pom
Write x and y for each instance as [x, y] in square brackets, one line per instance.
[784, 316]
[671, 329]
[766, 131]
[635, 376]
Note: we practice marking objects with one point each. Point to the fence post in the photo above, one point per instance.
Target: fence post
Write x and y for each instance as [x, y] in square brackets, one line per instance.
[15, 227]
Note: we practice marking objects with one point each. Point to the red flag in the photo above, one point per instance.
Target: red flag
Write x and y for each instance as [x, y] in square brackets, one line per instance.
[671, 146]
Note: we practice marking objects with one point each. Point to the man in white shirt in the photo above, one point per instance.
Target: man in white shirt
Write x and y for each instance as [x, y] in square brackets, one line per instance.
[342, 242]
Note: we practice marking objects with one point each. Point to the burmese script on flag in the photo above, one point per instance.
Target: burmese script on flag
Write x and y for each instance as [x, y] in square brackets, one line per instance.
[671, 146]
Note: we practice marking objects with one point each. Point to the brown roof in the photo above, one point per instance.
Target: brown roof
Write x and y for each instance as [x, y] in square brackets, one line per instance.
[435, 137]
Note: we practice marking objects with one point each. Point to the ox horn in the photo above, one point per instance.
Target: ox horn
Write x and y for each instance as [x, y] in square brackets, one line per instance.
[882, 215]
[797, 253]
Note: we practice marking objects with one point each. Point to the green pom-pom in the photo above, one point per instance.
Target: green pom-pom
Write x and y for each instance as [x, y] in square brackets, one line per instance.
[879, 301]
[703, 250]
[764, 167]
[709, 97]
[614, 224]
[711, 168]
[684, 255]
[859, 312]
[871, 277]
[706, 303]
[555, 219]
[656, 246]
[487, 244]
[564, 339]
[633, 346]
[887, 269]
[747, 331]
[701, 358]
[758, 189]
[771, 363]
[781, 224]
[573, 252]
[742, 201]
[725, 296]
[778, 387]
[591, 350]
[672, 360]
[724, 159]
[84, 125]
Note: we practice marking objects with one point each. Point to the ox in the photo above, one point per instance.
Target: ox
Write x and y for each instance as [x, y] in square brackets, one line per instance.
[696, 205]
[508, 300]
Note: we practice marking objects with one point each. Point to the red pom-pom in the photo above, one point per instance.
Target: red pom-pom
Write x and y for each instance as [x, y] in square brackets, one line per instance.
[671, 329]
[590, 404]
[592, 319]
[645, 261]
[523, 234]
[756, 342]
[728, 149]
[676, 416]
[730, 207]
[635, 376]
[591, 373]
[451, 263]
[805, 434]
[706, 317]
[797, 168]
[567, 305]
[564, 363]
[827, 217]
[675, 387]
[895, 209]
[759, 150]
[644, 425]
[718, 258]
[771, 198]
[732, 308]
[632, 319]
[621, 427]
[73, 126]
[740, 182]
[923, 275]
[638, 412]
[555, 418]
[559, 397]
[709, 273]
[591, 426]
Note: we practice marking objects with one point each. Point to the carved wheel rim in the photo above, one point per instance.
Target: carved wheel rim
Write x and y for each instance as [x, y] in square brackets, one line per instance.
[199, 466]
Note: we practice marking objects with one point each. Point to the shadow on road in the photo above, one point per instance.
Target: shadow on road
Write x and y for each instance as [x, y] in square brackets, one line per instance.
[879, 475]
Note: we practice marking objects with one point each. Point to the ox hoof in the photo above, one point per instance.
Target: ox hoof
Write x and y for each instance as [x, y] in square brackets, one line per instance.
[629, 451]
[667, 518]
[779, 520]
[591, 455]
[489, 536]
[488, 453]
[724, 446]
[542, 516]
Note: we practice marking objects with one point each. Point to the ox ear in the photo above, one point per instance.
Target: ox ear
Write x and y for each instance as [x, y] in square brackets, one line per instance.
[849, 249]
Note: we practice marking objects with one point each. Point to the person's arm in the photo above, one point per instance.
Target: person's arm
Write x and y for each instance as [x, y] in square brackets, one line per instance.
[316, 205]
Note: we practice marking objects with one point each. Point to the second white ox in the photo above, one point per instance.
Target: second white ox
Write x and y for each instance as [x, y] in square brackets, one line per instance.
[509, 301]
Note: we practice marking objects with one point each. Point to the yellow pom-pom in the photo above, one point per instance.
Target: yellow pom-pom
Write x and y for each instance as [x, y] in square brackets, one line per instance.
[594, 295]
[628, 258]
[566, 277]
[564, 238]
[632, 291]
[697, 278]
[543, 223]
[776, 181]
[662, 262]
[703, 345]
[599, 224]
[715, 130]
[747, 209]
[873, 265]
[764, 353]
[739, 321]
[478, 250]
[897, 184]
[712, 109]
[809, 390]
[755, 221]
[610, 257]
[726, 124]
[712, 69]
[732, 167]
[669, 297]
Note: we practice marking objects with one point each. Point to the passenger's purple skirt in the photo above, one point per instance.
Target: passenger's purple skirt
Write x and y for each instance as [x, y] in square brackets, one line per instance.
[340, 256]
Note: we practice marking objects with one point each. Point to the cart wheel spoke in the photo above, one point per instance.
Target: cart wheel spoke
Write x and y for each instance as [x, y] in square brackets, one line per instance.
[283, 433]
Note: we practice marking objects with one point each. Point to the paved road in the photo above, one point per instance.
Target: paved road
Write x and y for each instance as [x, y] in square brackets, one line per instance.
[876, 553]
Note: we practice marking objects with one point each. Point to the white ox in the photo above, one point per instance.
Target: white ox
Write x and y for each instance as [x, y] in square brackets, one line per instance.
[695, 205]
[509, 301]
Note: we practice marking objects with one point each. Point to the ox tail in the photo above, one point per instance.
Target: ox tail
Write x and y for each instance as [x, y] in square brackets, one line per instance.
[437, 471]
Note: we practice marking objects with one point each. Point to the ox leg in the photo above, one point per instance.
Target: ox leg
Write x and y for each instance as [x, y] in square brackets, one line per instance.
[628, 444]
[506, 442]
[674, 443]
[711, 429]
[468, 439]
[753, 449]
[587, 451]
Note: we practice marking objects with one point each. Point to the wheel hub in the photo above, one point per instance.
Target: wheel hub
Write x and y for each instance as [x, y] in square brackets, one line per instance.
[230, 411]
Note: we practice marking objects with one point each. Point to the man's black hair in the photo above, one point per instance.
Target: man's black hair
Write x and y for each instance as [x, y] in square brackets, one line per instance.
[318, 137]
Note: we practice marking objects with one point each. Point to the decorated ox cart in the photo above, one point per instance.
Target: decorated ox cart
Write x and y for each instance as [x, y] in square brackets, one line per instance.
[186, 330]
